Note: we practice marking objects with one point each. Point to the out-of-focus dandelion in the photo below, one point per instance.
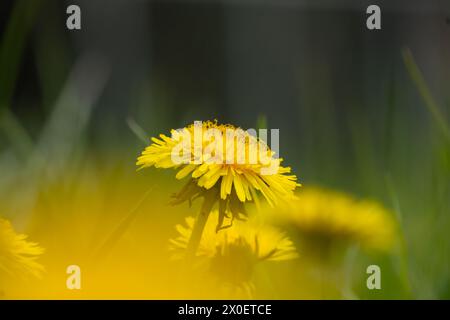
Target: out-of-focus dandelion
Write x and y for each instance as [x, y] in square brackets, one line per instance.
[326, 219]
[217, 178]
[232, 254]
[328, 227]
[17, 255]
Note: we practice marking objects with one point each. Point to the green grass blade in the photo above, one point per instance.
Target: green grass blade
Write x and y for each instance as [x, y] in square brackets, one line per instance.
[432, 106]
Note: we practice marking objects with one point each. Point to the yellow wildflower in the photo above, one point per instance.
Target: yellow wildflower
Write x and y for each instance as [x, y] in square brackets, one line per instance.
[17, 255]
[225, 165]
[236, 181]
[232, 253]
[328, 218]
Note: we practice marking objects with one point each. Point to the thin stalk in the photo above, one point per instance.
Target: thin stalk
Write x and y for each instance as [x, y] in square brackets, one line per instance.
[199, 225]
[418, 78]
[196, 235]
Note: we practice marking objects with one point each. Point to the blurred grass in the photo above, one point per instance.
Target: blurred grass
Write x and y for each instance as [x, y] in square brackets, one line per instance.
[12, 47]
[119, 231]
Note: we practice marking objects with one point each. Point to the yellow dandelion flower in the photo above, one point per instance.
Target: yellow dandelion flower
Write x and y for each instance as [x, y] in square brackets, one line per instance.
[17, 255]
[225, 165]
[327, 218]
[232, 253]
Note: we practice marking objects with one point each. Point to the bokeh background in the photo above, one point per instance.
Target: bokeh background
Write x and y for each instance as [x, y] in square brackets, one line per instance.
[359, 111]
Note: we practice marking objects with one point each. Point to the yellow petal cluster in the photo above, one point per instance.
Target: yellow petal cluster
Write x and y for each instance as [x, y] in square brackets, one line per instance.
[232, 183]
[338, 217]
[17, 255]
[232, 253]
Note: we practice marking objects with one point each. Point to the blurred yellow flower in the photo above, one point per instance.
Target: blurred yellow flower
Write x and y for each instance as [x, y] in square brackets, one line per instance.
[232, 253]
[17, 255]
[328, 217]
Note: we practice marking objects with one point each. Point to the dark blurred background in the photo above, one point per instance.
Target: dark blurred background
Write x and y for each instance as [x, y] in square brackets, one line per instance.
[310, 67]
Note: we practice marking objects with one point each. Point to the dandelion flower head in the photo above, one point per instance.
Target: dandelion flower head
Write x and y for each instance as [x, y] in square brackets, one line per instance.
[335, 217]
[229, 164]
[232, 253]
[17, 255]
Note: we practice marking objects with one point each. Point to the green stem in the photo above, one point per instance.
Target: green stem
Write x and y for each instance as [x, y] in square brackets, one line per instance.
[200, 222]
[196, 235]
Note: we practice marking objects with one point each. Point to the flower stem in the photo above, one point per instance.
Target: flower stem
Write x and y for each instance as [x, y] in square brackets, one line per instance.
[200, 222]
[196, 235]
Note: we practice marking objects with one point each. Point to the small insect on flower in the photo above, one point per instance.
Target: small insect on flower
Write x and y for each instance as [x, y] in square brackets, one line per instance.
[328, 218]
[17, 255]
[225, 165]
[232, 254]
